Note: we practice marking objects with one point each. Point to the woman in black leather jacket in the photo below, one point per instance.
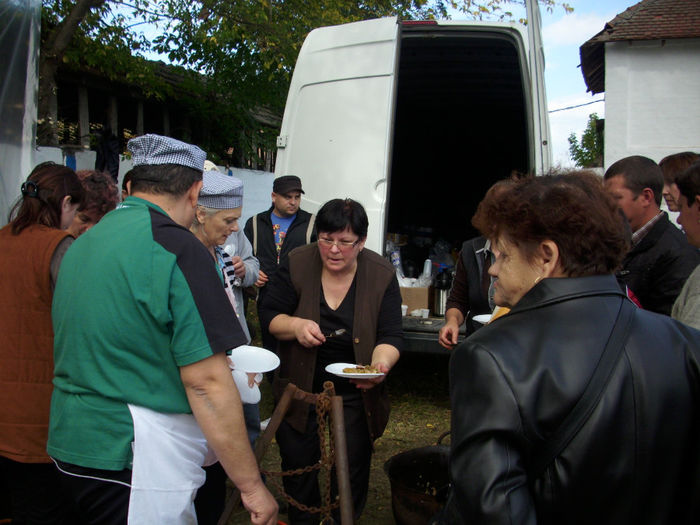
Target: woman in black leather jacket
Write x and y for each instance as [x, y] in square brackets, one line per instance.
[631, 452]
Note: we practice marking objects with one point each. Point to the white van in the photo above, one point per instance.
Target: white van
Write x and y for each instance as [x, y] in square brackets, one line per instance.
[415, 120]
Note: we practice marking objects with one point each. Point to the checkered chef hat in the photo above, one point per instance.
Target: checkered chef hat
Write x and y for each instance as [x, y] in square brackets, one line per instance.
[155, 149]
[220, 191]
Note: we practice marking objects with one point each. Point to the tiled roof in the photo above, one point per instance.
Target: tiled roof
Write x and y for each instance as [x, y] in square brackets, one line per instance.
[646, 20]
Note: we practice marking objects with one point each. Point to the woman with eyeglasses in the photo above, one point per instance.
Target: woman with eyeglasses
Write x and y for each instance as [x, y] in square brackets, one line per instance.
[33, 245]
[333, 301]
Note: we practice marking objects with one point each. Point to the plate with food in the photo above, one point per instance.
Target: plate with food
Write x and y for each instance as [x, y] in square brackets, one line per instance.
[353, 371]
[253, 359]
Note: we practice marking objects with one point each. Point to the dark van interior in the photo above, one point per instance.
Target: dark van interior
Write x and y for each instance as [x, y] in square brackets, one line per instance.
[460, 125]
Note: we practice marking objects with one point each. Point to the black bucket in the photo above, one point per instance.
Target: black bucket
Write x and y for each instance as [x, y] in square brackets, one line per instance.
[420, 483]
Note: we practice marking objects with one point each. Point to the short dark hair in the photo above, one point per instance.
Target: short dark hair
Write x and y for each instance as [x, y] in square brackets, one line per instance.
[688, 182]
[126, 179]
[673, 165]
[639, 173]
[47, 185]
[338, 214]
[171, 179]
[573, 210]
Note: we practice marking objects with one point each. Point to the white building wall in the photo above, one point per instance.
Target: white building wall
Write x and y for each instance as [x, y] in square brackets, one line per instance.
[652, 98]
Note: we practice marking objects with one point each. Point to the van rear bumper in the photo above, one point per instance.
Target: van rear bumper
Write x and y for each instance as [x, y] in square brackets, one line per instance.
[421, 335]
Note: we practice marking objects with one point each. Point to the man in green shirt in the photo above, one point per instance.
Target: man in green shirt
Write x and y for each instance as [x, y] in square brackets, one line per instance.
[143, 395]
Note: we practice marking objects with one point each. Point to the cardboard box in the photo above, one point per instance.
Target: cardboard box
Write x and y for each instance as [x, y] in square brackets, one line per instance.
[417, 297]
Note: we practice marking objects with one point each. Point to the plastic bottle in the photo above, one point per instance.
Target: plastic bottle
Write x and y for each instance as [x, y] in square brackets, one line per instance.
[395, 258]
[427, 269]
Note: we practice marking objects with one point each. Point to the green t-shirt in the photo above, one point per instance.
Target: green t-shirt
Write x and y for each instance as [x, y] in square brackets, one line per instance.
[137, 297]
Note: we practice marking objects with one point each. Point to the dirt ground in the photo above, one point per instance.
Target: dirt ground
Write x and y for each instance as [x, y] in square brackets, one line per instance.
[420, 413]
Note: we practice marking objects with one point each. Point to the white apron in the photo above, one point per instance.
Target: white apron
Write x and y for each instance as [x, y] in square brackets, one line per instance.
[169, 451]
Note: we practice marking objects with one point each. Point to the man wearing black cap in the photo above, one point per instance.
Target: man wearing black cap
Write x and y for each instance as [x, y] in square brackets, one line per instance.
[276, 232]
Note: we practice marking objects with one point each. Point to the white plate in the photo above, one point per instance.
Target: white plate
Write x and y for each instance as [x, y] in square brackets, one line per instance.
[253, 359]
[337, 369]
[483, 318]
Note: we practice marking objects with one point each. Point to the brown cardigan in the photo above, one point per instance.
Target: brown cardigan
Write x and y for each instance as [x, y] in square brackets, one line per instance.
[26, 341]
[298, 363]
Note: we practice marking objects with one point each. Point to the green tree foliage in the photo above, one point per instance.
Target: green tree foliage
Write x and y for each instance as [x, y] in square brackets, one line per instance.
[588, 153]
[237, 55]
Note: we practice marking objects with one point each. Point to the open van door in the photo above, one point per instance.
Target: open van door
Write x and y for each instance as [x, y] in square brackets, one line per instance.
[344, 81]
[543, 150]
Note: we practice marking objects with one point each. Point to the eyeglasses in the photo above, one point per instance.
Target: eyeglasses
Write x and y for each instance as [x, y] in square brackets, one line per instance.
[341, 245]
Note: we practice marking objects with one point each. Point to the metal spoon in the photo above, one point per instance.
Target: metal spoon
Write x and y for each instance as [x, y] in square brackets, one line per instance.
[339, 331]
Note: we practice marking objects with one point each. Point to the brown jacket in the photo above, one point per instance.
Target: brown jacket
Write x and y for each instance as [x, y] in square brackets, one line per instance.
[26, 341]
[297, 363]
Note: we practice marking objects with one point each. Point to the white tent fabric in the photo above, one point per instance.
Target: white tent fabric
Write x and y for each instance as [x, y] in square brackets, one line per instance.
[19, 60]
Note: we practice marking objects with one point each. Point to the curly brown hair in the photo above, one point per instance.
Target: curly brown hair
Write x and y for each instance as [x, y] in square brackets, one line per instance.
[571, 209]
[101, 193]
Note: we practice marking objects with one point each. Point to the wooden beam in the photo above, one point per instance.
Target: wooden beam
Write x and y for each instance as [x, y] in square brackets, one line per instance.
[139, 117]
[112, 114]
[83, 117]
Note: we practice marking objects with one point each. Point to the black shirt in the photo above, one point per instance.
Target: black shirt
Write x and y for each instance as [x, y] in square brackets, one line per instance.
[336, 349]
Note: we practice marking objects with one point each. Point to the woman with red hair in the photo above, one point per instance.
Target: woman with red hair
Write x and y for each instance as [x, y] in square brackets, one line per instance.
[576, 407]
[101, 196]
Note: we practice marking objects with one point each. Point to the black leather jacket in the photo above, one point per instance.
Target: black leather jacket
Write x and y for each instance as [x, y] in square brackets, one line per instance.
[635, 460]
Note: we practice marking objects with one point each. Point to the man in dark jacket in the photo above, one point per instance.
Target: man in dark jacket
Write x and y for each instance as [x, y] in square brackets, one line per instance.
[661, 259]
[276, 232]
[469, 295]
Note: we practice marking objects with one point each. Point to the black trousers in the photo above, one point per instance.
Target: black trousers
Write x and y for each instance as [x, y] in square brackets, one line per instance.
[102, 496]
[211, 497]
[268, 340]
[36, 494]
[302, 449]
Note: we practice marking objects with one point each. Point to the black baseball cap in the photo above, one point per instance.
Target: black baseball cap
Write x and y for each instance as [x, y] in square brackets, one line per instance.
[287, 183]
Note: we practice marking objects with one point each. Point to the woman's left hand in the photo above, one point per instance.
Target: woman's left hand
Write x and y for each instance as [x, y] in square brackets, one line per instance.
[238, 266]
[366, 384]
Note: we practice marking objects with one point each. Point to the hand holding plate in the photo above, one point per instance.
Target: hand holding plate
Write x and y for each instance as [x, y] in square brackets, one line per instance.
[366, 383]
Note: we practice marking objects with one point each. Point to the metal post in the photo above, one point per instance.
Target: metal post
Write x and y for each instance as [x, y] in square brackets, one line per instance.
[342, 466]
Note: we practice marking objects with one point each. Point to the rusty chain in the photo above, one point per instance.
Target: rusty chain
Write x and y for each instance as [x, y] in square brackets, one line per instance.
[326, 440]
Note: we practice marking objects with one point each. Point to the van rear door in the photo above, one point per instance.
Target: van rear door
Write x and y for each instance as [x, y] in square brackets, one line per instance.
[543, 151]
[338, 117]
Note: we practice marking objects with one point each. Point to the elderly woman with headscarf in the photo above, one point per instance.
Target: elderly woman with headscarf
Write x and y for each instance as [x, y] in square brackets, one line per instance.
[219, 207]
[576, 407]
